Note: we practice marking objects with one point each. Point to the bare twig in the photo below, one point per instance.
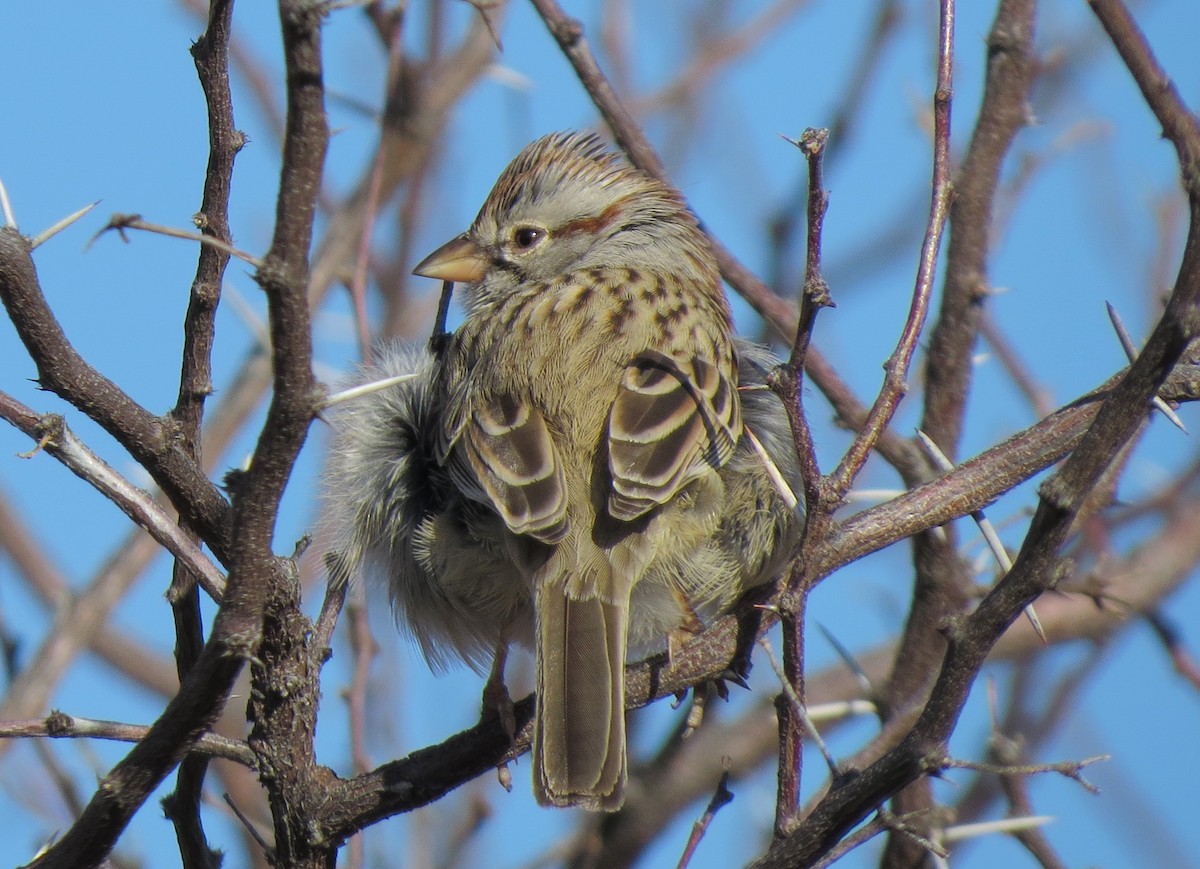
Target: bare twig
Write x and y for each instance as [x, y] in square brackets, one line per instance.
[52, 435]
[720, 798]
[896, 369]
[1072, 769]
[121, 222]
[59, 725]
[787, 381]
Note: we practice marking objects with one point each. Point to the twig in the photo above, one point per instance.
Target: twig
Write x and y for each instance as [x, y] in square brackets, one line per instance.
[1012, 64]
[362, 648]
[210, 53]
[1072, 769]
[1038, 397]
[720, 798]
[52, 435]
[859, 837]
[62, 370]
[896, 369]
[358, 282]
[251, 829]
[336, 588]
[867, 63]
[900, 824]
[121, 222]
[711, 55]
[788, 380]
[1168, 634]
[256, 579]
[59, 725]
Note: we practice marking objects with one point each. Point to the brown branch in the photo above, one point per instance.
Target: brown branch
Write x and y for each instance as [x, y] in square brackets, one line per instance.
[1182, 659]
[721, 797]
[284, 693]
[715, 53]
[51, 434]
[63, 371]
[254, 572]
[943, 581]
[787, 380]
[210, 53]
[59, 725]
[867, 63]
[1039, 398]
[28, 697]
[971, 639]
[413, 120]
[896, 369]
[1004, 111]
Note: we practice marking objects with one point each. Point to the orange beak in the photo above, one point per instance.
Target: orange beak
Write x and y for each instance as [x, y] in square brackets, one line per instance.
[459, 260]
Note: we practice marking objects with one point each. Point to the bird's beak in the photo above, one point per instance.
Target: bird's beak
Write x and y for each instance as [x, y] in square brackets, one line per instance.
[459, 260]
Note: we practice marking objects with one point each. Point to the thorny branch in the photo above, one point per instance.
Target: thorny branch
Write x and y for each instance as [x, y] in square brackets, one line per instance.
[912, 741]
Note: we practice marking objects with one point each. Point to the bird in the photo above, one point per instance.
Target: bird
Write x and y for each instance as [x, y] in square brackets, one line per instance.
[590, 466]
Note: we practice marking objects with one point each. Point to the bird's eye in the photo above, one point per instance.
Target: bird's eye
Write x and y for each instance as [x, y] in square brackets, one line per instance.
[526, 237]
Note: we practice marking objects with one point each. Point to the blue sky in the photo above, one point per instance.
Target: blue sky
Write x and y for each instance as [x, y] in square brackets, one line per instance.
[107, 108]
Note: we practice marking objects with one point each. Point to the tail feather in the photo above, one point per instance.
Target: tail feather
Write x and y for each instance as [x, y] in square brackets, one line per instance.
[579, 735]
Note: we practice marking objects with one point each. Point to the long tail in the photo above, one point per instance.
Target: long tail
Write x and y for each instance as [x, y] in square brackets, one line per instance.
[579, 734]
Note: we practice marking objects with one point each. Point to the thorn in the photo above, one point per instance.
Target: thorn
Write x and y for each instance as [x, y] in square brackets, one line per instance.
[960, 832]
[47, 234]
[1036, 623]
[797, 705]
[942, 462]
[1131, 354]
[6, 207]
[1169, 412]
[122, 222]
[773, 472]
[367, 388]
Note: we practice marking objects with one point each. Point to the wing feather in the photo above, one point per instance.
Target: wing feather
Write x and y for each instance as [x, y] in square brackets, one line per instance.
[671, 421]
[512, 454]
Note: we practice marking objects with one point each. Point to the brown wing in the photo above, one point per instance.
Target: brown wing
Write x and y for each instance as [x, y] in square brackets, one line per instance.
[514, 460]
[672, 419]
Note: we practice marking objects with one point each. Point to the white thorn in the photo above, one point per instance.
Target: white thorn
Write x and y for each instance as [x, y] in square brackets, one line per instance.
[367, 388]
[785, 491]
[46, 234]
[6, 206]
[1005, 825]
